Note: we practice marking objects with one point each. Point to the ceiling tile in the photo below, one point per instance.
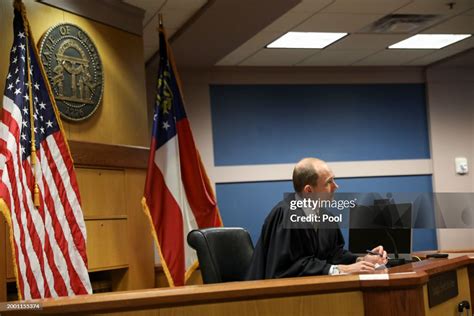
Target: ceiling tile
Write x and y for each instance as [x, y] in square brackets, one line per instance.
[230, 60]
[325, 16]
[272, 32]
[278, 57]
[428, 59]
[335, 58]
[436, 7]
[299, 14]
[396, 57]
[175, 18]
[185, 4]
[175, 14]
[366, 41]
[462, 24]
[336, 22]
[288, 21]
[256, 43]
[312, 5]
[150, 7]
[444, 53]
[279, 27]
[365, 6]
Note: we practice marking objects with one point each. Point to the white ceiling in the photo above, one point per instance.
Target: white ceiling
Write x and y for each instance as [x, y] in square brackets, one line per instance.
[352, 16]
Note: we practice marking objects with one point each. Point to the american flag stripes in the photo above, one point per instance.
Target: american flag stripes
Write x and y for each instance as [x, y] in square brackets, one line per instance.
[178, 196]
[49, 241]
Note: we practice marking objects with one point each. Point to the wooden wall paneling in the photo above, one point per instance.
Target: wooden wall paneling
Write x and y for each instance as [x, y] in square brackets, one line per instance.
[102, 192]
[394, 302]
[6, 27]
[160, 277]
[122, 116]
[119, 279]
[109, 156]
[9, 256]
[36, 13]
[161, 281]
[448, 308]
[470, 272]
[140, 242]
[343, 303]
[195, 278]
[3, 261]
[107, 243]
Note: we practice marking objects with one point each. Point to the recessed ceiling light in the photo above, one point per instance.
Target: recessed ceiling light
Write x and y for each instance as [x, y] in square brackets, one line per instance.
[429, 41]
[306, 40]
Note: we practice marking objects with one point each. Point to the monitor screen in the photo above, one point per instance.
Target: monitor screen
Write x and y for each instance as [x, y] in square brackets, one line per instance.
[381, 224]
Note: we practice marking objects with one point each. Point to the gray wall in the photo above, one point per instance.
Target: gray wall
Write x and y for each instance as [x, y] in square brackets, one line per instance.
[450, 86]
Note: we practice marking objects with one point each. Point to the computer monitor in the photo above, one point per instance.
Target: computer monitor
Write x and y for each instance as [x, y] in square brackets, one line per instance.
[381, 224]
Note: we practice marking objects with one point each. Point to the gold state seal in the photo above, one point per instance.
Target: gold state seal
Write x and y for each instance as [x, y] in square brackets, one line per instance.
[74, 70]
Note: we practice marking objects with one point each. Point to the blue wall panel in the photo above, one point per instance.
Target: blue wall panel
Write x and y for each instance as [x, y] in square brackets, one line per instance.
[247, 204]
[283, 123]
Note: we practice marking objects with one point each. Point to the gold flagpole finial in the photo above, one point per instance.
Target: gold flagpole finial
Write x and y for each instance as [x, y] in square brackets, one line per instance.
[20, 6]
[160, 19]
[17, 4]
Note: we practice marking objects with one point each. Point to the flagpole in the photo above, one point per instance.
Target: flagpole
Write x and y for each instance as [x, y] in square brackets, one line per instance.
[19, 4]
[160, 19]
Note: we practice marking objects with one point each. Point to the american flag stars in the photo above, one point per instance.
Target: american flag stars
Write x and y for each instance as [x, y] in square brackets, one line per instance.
[18, 89]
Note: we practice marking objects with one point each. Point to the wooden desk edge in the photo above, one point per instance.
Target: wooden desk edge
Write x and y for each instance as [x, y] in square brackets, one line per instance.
[248, 290]
[197, 294]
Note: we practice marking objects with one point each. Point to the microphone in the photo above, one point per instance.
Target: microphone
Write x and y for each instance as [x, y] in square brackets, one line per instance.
[393, 262]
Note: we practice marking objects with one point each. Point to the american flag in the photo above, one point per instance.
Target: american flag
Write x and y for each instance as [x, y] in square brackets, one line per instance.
[178, 197]
[49, 241]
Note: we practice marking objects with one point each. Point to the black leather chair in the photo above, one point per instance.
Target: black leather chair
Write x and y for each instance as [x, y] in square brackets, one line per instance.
[224, 253]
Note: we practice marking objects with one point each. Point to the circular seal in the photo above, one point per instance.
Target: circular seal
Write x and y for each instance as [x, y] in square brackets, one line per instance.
[74, 70]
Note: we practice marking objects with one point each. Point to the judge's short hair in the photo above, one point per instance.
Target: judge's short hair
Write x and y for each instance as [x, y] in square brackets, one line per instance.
[305, 173]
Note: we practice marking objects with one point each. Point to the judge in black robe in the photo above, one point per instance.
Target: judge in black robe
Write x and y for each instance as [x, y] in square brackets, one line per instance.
[287, 250]
[284, 251]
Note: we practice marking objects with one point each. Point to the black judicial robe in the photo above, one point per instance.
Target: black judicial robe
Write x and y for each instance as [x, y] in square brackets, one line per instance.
[283, 252]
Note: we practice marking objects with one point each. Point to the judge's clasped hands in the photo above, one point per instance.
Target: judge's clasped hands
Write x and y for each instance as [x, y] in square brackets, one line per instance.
[366, 264]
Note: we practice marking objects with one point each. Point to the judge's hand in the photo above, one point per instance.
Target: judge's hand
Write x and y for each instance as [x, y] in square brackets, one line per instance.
[358, 267]
[382, 259]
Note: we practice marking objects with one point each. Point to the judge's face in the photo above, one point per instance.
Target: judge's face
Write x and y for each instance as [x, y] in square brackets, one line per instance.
[326, 182]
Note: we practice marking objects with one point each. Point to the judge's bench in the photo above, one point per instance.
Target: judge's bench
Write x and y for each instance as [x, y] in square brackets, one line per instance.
[428, 287]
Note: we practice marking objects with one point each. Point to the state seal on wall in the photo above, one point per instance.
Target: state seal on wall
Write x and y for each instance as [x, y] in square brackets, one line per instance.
[74, 70]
